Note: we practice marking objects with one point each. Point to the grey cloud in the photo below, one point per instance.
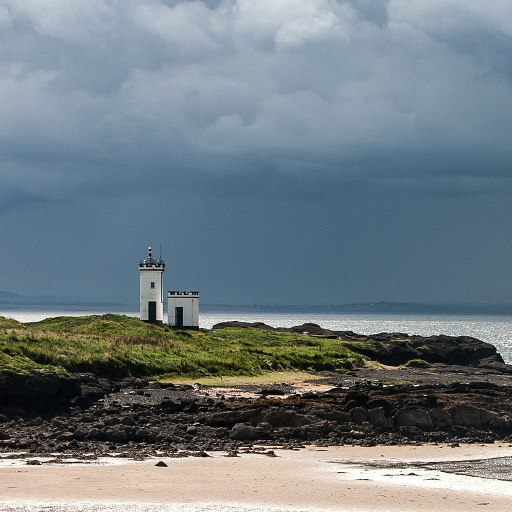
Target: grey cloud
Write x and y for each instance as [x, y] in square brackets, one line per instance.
[373, 10]
[343, 92]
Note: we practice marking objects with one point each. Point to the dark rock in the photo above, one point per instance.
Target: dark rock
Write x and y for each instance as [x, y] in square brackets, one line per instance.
[125, 383]
[337, 416]
[109, 422]
[270, 391]
[309, 396]
[92, 393]
[38, 391]
[191, 407]
[374, 403]
[244, 325]
[358, 415]
[377, 417]
[116, 434]
[95, 434]
[66, 436]
[128, 421]
[142, 434]
[80, 433]
[466, 415]
[161, 464]
[230, 418]
[414, 417]
[351, 404]
[14, 411]
[243, 432]
[358, 396]
[82, 402]
[441, 418]
[310, 328]
[493, 419]
[278, 417]
[170, 406]
[139, 383]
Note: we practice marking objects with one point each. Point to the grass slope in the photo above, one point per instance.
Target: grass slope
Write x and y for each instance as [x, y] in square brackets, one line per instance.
[117, 345]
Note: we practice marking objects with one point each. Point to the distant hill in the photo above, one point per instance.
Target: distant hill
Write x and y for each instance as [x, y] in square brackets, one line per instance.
[8, 296]
[380, 307]
[14, 301]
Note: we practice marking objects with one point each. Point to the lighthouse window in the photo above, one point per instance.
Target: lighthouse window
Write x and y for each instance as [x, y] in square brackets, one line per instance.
[152, 284]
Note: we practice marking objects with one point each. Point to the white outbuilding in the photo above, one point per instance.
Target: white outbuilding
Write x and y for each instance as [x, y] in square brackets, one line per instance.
[183, 309]
[151, 289]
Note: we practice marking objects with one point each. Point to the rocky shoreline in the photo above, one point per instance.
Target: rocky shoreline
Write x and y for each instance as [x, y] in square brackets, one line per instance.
[468, 402]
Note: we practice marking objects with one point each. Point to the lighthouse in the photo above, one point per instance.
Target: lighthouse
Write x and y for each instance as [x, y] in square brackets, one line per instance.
[151, 289]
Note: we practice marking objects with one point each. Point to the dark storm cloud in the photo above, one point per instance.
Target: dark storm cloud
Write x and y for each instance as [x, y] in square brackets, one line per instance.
[381, 91]
[282, 151]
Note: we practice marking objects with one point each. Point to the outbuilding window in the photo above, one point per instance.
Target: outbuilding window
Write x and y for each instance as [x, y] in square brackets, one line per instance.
[152, 284]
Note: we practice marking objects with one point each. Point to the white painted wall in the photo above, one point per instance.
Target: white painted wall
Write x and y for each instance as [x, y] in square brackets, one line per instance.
[189, 301]
[151, 271]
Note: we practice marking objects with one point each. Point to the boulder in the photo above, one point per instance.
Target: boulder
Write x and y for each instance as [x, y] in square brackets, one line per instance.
[358, 415]
[128, 421]
[337, 416]
[141, 434]
[278, 417]
[493, 419]
[373, 403]
[230, 418]
[80, 433]
[470, 416]
[414, 417]
[441, 418]
[377, 418]
[116, 434]
[466, 415]
[243, 432]
[109, 422]
[357, 396]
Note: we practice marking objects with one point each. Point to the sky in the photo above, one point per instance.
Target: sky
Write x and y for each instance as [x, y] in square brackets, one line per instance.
[272, 151]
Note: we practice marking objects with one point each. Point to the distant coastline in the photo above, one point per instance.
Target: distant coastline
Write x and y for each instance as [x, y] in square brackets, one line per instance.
[12, 302]
[381, 307]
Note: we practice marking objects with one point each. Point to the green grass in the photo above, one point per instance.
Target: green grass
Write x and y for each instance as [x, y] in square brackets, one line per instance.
[116, 345]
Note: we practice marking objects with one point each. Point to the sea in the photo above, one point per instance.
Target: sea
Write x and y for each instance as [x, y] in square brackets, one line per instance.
[493, 329]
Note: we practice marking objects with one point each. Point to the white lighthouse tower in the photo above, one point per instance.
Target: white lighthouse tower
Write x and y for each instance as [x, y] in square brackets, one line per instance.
[151, 289]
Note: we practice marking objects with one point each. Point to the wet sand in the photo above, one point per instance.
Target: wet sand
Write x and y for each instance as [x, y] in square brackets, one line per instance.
[386, 479]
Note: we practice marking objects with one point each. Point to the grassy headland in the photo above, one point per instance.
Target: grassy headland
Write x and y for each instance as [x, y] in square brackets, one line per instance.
[116, 346]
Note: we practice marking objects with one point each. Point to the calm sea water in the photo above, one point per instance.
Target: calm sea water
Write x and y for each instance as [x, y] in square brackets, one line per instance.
[492, 329]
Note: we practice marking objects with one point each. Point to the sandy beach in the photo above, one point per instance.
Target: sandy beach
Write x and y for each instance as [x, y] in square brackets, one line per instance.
[338, 478]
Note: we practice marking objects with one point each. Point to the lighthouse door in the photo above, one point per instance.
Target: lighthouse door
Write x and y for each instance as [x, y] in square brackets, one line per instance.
[178, 315]
[152, 311]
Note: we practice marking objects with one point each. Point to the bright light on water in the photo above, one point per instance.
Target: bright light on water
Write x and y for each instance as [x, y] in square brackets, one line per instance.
[496, 330]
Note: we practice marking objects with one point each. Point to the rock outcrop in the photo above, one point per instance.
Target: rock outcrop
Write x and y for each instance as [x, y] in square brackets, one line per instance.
[37, 390]
[396, 349]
